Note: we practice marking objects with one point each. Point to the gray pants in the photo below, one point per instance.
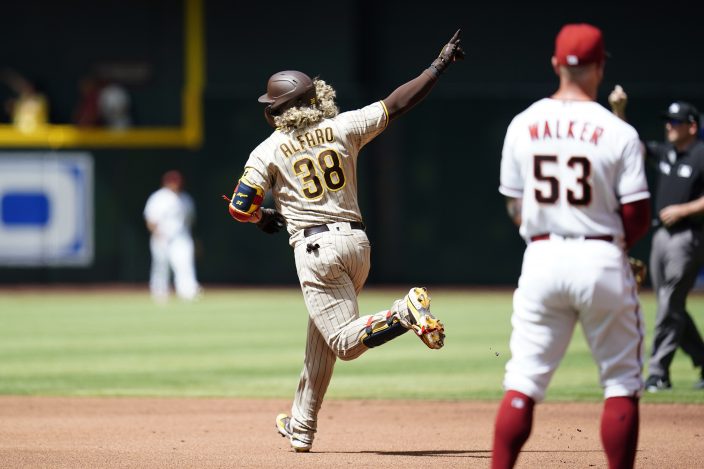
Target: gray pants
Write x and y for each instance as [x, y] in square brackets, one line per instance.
[675, 261]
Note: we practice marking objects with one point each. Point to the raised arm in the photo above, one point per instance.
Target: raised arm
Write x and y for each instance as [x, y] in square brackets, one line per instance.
[411, 93]
[618, 99]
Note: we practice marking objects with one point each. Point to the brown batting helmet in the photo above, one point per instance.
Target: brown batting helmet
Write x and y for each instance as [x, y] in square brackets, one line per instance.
[288, 89]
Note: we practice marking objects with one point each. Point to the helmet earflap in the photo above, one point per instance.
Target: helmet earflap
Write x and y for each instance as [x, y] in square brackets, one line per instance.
[269, 115]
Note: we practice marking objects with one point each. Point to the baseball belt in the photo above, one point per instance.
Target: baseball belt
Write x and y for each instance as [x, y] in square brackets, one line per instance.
[311, 230]
[544, 236]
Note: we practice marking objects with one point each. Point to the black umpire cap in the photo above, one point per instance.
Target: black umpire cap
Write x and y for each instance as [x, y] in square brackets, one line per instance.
[682, 111]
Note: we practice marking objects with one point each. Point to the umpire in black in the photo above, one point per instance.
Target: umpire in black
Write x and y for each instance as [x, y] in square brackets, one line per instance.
[677, 252]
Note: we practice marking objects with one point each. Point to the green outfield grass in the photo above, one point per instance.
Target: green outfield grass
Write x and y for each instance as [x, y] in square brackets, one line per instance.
[250, 342]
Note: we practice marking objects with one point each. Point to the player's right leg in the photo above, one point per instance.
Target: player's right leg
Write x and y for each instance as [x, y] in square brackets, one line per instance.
[159, 274]
[413, 312]
[331, 277]
[612, 323]
[619, 431]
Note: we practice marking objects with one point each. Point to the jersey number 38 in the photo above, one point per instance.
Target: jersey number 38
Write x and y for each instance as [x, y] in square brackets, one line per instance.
[333, 175]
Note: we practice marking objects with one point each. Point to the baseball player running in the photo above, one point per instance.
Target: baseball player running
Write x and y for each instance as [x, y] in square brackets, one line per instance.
[309, 164]
[573, 176]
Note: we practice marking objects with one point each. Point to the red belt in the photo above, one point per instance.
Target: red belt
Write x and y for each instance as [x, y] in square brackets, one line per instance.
[544, 236]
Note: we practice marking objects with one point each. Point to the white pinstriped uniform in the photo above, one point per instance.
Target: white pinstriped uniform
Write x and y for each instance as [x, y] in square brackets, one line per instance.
[312, 174]
[573, 164]
[171, 244]
[294, 166]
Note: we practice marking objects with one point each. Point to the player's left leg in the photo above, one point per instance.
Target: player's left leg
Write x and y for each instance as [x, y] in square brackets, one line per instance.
[330, 293]
[543, 323]
[319, 361]
[182, 259]
[512, 427]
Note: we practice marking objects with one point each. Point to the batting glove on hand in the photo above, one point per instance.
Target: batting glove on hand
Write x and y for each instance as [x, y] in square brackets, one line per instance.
[271, 221]
[451, 52]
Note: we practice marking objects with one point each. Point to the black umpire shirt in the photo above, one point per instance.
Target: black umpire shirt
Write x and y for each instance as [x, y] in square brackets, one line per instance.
[680, 178]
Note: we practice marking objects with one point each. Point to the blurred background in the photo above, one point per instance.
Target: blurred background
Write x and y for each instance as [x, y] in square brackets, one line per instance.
[129, 89]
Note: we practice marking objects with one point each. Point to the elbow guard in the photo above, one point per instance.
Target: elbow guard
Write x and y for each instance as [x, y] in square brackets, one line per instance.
[246, 200]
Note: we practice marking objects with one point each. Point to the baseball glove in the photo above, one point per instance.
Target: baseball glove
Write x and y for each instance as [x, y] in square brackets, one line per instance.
[271, 221]
[639, 270]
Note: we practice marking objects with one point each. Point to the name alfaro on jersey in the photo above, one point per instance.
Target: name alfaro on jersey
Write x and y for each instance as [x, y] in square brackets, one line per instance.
[303, 141]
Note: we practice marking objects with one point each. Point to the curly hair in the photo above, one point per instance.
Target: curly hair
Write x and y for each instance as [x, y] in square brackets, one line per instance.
[305, 116]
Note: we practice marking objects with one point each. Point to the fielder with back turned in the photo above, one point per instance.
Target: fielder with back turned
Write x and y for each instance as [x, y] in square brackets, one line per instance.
[309, 165]
[573, 176]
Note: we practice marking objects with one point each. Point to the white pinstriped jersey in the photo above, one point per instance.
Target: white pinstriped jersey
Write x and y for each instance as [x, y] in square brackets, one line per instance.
[312, 172]
[171, 212]
[573, 163]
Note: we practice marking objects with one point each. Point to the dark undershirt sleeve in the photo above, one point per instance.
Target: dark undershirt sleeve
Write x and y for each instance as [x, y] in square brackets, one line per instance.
[409, 94]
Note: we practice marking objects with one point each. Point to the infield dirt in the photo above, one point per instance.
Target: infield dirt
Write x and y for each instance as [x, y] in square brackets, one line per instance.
[44, 432]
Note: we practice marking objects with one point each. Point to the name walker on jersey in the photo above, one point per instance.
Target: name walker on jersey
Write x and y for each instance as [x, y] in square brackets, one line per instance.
[566, 130]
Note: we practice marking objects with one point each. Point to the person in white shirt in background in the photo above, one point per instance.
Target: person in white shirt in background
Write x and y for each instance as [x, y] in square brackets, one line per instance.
[169, 214]
[114, 107]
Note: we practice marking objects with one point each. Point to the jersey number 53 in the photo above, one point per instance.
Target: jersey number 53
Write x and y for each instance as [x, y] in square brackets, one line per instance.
[544, 169]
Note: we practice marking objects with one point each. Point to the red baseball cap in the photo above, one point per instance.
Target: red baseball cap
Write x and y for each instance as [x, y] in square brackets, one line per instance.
[172, 177]
[579, 44]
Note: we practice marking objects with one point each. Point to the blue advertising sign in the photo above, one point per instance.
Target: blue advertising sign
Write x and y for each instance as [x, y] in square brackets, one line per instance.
[46, 209]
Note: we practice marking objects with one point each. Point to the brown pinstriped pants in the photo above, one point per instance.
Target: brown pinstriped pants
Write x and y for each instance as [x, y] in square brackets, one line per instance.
[331, 277]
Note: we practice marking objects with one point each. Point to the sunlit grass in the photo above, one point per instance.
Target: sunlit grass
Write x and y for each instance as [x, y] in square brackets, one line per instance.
[250, 343]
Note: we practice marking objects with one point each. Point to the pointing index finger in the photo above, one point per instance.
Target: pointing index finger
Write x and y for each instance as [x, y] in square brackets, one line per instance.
[456, 37]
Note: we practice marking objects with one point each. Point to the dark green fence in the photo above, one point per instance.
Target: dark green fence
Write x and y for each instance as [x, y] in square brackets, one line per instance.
[428, 185]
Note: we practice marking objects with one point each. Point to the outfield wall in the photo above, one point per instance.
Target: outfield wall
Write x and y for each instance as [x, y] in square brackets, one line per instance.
[428, 185]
